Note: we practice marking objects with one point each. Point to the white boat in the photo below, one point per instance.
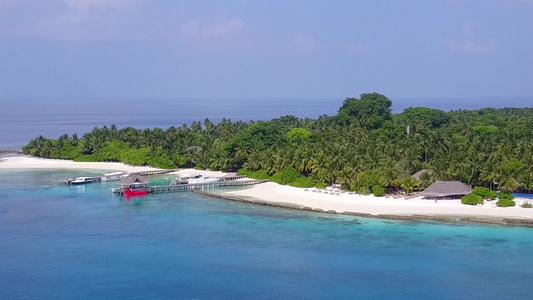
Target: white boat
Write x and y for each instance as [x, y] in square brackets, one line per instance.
[193, 179]
[81, 180]
[113, 176]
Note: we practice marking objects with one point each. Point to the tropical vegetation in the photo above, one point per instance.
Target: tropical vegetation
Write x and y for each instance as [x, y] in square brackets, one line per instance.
[526, 205]
[472, 199]
[484, 192]
[505, 200]
[363, 146]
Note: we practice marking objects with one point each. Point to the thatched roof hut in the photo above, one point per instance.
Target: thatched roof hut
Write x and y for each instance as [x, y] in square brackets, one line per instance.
[446, 189]
[134, 180]
[419, 173]
[231, 176]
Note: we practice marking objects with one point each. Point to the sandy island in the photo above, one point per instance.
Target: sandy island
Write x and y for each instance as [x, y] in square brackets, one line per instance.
[298, 197]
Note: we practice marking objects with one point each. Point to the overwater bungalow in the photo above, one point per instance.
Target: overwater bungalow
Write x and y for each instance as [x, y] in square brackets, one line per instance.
[446, 190]
[133, 182]
[134, 185]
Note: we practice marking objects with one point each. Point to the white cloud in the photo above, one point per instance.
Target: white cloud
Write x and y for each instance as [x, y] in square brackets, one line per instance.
[219, 27]
[468, 28]
[467, 46]
[78, 20]
[356, 48]
[85, 5]
[468, 43]
[304, 43]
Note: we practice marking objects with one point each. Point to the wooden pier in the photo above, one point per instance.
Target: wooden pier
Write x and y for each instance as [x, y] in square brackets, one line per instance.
[154, 172]
[187, 187]
[68, 181]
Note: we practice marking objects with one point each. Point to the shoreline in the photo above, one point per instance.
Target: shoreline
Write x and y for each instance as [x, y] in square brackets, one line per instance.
[339, 202]
[445, 218]
[28, 163]
[273, 194]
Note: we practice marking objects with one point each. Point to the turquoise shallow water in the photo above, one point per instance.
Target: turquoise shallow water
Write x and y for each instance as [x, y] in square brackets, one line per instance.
[83, 242]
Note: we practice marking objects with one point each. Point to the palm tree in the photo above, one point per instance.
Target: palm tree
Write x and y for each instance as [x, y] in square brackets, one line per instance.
[221, 162]
[346, 175]
[408, 184]
[302, 160]
[426, 179]
[319, 165]
[440, 170]
[242, 150]
[507, 180]
[193, 153]
[388, 172]
[253, 162]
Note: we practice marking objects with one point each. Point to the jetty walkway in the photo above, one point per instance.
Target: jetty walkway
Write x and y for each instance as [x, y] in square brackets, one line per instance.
[68, 181]
[187, 187]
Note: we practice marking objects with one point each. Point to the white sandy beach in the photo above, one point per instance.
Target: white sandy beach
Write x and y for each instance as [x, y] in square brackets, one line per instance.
[25, 162]
[273, 192]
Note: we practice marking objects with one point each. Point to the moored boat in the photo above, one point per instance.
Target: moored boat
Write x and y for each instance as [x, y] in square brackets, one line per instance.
[193, 179]
[81, 180]
[113, 176]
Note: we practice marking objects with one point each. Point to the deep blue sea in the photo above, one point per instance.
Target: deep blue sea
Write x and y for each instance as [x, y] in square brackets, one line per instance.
[83, 242]
[24, 119]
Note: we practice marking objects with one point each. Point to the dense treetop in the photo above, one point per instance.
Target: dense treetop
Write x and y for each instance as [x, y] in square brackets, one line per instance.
[361, 147]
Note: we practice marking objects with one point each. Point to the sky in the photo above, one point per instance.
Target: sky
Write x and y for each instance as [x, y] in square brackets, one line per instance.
[266, 49]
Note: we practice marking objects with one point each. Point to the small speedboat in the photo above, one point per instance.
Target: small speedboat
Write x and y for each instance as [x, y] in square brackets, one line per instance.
[113, 176]
[193, 179]
[81, 180]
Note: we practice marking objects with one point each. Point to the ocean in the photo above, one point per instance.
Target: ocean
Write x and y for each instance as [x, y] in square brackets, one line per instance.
[24, 119]
[83, 242]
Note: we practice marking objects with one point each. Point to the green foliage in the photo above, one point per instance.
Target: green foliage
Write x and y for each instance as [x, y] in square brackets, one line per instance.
[321, 185]
[260, 174]
[433, 118]
[363, 191]
[244, 172]
[258, 136]
[378, 191]
[362, 146]
[513, 165]
[285, 176]
[179, 160]
[368, 178]
[408, 184]
[372, 110]
[485, 130]
[484, 192]
[161, 159]
[472, 199]
[507, 196]
[302, 182]
[86, 158]
[135, 157]
[298, 135]
[526, 205]
[505, 202]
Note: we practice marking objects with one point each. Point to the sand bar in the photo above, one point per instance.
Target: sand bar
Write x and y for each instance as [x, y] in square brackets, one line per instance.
[26, 162]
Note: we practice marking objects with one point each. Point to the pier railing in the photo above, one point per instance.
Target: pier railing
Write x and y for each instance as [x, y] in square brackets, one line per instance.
[68, 181]
[186, 187]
